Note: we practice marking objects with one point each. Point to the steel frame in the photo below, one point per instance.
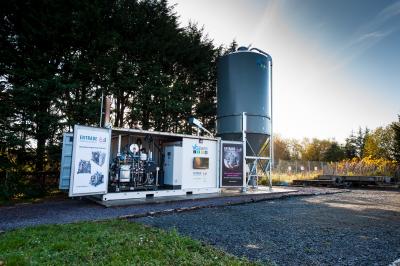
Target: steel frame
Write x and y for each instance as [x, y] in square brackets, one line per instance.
[257, 161]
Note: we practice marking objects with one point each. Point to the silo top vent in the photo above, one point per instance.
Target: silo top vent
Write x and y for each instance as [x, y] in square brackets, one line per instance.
[242, 48]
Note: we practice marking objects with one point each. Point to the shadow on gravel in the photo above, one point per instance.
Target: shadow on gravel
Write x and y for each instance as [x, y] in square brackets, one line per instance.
[357, 228]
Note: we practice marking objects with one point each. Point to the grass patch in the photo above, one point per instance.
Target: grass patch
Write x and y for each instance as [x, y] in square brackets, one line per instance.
[287, 179]
[114, 242]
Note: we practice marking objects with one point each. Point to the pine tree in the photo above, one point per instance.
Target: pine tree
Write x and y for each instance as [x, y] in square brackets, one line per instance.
[231, 48]
[351, 146]
[360, 141]
[396, 142]
[334, 153]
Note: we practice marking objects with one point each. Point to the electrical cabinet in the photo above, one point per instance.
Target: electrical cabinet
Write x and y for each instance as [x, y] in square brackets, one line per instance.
[173, 166]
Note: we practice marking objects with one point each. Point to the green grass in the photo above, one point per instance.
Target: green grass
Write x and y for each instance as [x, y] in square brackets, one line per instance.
[115, 242]
[278, 179]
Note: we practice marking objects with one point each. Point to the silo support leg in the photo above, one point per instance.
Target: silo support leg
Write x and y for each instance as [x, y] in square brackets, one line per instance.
[267, 170]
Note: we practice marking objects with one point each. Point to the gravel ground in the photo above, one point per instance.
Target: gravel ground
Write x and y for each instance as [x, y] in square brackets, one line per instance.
[68, 211]
[357, 228]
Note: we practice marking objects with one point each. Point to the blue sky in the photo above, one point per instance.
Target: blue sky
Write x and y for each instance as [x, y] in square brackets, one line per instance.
[336, 62]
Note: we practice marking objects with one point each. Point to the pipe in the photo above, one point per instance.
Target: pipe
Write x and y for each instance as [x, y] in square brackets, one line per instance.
[244, 140]
[101, 109]
[272, 139]
[107, 110]
[119, 144]
[262, 52]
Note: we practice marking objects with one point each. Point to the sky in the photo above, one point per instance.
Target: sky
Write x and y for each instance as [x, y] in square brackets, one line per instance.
[336, 63]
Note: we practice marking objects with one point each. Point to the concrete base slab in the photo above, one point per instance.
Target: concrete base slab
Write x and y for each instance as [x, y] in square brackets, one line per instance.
[129, 195]
[261, 190]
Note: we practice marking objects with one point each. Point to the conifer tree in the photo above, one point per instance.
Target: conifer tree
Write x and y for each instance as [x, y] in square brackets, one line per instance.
[396, 142]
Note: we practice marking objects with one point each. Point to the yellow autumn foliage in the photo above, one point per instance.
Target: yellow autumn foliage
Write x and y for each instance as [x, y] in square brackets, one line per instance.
[367, 166]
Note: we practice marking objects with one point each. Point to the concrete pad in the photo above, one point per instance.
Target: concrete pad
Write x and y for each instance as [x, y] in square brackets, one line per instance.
[278, 191]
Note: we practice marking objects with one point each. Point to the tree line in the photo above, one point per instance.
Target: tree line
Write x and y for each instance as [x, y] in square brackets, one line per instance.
[380, 143]
[58, 57]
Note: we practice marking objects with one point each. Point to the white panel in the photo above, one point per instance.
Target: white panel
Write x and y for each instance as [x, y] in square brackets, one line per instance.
[66, 158]
[90, 161]
[199, 178]
[173, 166]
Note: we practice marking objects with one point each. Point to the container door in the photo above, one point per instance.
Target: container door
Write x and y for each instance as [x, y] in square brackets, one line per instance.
[66, 159]
[90, 161]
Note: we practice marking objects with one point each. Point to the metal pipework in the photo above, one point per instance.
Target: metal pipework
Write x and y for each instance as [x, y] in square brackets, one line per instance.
[244, 140]
[119, 144]
[262, 52]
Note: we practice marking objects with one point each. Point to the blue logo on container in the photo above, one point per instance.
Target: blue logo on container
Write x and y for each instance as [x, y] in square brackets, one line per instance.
[199, 149]
[261, 63]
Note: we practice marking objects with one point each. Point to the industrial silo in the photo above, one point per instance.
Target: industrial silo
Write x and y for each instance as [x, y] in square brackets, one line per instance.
[244, 86]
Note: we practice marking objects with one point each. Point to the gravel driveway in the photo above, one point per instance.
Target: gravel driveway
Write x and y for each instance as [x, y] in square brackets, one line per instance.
[68, 211]
[357, 228]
